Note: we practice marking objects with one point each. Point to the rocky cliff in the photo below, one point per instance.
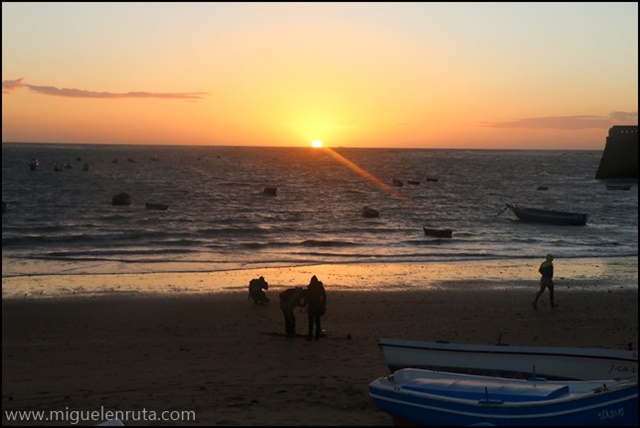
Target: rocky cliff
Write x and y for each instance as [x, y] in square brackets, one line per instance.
[620, 156]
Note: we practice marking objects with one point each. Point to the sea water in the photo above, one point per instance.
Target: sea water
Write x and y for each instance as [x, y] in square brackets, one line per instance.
[63, 221]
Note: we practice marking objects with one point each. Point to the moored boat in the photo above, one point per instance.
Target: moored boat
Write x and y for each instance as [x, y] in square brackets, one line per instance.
[152, 206]
[427, 397]
[618, 186]
[270, 190]
[555, 363]
[438, 233]
[539, 215]
[370, 212]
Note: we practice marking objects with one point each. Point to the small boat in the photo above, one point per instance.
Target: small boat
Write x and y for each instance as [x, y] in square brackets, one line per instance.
[432, 179]
[427, 397]
[555, 363]
[538, 215]
[438, 233]
[397, 182]
[151, 206]
[618, 186]
[272, 191]
[370, 212]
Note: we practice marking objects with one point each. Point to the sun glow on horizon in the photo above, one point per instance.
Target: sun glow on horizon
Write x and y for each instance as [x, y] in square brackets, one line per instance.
[316, 144]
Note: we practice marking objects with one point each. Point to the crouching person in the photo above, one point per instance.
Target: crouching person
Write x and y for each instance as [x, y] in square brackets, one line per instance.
[289, 300]
[256, 287]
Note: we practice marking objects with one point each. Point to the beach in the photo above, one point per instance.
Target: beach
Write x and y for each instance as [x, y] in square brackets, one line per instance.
[191, 349]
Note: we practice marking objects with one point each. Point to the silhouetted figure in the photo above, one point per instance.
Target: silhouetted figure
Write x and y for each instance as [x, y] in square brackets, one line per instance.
[546, 281]
[255, 290]
[289, 300]
[316, 306]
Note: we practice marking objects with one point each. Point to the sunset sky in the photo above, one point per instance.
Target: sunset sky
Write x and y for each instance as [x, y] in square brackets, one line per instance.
[406, 75]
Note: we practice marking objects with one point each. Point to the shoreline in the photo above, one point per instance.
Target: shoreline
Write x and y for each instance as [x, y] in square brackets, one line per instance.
[582, 273]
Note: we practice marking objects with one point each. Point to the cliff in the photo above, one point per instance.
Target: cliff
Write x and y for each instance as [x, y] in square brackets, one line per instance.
[620, 156]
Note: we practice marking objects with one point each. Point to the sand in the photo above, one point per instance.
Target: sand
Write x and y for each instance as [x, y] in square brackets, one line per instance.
[216, 357]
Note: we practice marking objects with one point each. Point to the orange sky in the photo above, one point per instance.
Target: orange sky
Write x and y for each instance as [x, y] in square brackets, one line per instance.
[441, 75]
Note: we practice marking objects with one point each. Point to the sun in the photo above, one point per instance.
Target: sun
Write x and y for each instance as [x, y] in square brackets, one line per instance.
[316, 143]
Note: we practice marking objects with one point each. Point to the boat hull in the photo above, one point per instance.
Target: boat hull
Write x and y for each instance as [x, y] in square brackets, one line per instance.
[438, 233]
[446, 399]
[511, 361]
[537, 215]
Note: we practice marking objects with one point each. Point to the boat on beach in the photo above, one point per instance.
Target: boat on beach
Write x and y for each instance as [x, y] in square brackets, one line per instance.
[427, 397]
[555, 363]
[539, 215]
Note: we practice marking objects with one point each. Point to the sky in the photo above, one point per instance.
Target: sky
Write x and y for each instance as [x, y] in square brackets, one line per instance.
[402, 75]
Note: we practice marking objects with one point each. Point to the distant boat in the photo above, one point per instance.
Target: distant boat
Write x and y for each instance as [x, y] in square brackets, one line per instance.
[34, 164]
[543, 188]
[151, 206]
[438, 233]
[270, 191]
[396, 182]
[548, 216]
[618, 186]
[554, 363]
[435, 398]
[370, 212]
[433, 179]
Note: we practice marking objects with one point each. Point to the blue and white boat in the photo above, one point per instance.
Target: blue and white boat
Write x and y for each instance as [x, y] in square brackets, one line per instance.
[427, 397]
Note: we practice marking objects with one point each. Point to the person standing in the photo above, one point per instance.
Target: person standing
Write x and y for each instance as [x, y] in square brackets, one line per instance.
[289, 300]
[546, 281]
[316, 306]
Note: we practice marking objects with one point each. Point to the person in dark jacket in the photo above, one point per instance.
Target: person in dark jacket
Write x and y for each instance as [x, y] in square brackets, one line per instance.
[255, 290]
[546, 281]
[316, 306]
[289, 300]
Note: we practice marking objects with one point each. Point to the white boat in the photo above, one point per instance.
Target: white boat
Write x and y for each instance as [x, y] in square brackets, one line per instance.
[511, 361]
[427, 397]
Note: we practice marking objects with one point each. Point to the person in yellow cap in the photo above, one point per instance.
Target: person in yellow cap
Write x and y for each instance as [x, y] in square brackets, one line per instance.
[546, 270]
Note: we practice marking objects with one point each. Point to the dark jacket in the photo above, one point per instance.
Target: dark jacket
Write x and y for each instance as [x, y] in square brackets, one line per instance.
[316, 298]
[546, 270]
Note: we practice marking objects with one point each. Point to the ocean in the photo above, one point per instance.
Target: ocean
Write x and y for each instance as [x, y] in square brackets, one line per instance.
[219, 218]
